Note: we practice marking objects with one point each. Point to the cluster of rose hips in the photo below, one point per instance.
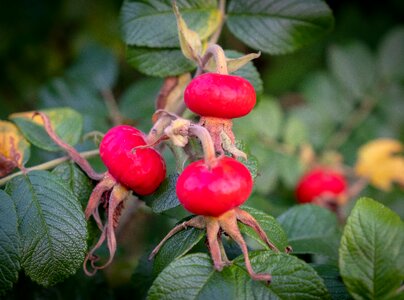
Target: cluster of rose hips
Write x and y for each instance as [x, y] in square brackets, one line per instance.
[212, 188]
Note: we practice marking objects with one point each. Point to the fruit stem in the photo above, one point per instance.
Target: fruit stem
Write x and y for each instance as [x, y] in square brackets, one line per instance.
[74, 155]
[48, 165]
[220, 58]
[207, 143]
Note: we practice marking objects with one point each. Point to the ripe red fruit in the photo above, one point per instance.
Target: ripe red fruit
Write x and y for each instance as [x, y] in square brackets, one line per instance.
[220, 96]
[320, 182]
[141, 170]
[212, 191]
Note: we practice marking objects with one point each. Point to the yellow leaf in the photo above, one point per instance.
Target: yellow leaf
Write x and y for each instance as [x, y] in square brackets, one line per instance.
[381, 162]
[12, 147]
[28, 115]
[190, 42]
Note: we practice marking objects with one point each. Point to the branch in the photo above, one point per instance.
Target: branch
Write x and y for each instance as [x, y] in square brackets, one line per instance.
[48, 165]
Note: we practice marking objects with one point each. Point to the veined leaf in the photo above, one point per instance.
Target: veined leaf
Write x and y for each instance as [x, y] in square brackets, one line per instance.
[159, 62]
[193, 277]
[51, 227]
[176, 247]
[272, 228]
[372, 251]
[76, 180]
[66, 122]
[152, 23]
[311, 229]
[278, 27]
[9, 243]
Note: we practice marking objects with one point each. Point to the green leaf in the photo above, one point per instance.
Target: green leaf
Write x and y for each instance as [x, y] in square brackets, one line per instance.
[295, 132]
[271, 227]
[165, 197]
[51, 226]
[372, 250]
[278, 27]
[76, 180]
[66, 122]
[248, 71]
[289, 168]
[354, 67]
[193, 277]
[333, 281]
[176, 247]
[138, 102]
[9, 243]
[79, 96]
[251, 162]
[326, 98]
[152, 23]
[311, 230]
[391, 59]
[96, 66]
[263, 123]
[158, 62]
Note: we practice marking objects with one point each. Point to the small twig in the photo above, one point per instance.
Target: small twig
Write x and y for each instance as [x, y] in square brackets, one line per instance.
[353, 121]
[215, 36]
[112, 106]
[48, 165]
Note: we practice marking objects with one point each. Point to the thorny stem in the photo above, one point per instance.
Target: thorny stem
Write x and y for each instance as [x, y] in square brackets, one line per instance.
[112, 107]
[207, 143]
[48, 165]
[75, 156]
[352, 122]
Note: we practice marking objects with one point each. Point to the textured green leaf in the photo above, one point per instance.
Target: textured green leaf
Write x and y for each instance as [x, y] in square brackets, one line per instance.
[289, 168]
[176, 247]
[51, 226]
[79, 96]
[152, 23]
[263, 123]
[76, 180]
[327, 99]
[251, 162]
[391, 59]
[333, 281]
[311, 229]
[248, 71]
[138, 102]
[66, 122]
[159, 62]
[354, 67]
[96, 66]
[9, 243]
[278, 27]
[165, 197]
[272, 228]
[372, 251]
[193, 277]
[295, 132]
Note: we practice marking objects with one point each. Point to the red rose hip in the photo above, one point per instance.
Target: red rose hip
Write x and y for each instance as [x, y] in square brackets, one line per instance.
[320, 182]
[220, 96]
[142, 170]
[212, 191]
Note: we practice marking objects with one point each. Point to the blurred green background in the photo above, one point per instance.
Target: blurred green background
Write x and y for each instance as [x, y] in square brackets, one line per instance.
[40, 40]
